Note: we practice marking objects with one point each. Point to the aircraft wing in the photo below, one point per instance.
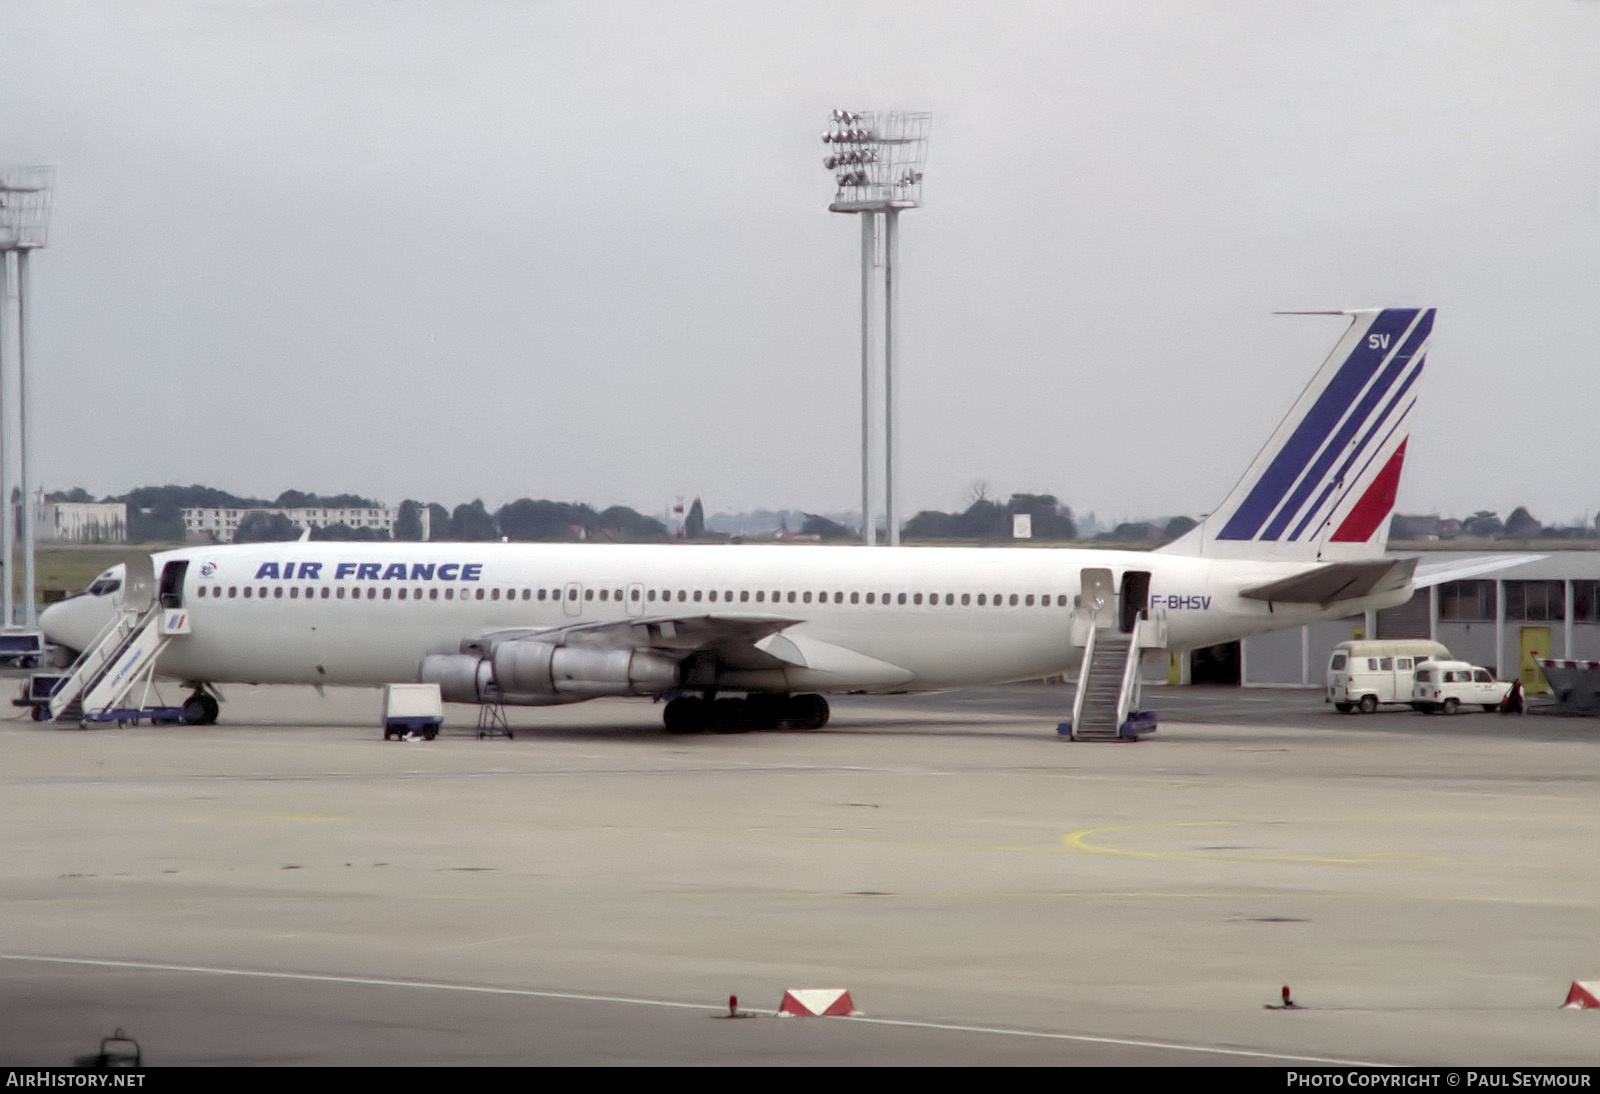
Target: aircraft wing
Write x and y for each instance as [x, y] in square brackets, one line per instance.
[735, 641]
[732, 638]
[1459, 569]
[1336, 581]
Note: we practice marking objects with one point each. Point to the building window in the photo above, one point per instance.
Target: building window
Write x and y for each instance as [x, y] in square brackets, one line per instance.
[1535, 600]
[1585, 599]
[1467, 601]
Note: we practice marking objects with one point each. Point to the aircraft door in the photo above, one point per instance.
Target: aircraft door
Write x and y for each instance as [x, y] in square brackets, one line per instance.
[572, 603]
[635, 599]
[1096, 594]
[1135, 599]
[139, 583]
[172, 575]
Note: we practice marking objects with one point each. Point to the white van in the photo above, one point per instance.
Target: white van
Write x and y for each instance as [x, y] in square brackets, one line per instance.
[1443, 686]
[1362, 674]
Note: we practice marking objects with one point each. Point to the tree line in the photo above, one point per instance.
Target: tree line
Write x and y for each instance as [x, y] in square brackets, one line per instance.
[155, 515]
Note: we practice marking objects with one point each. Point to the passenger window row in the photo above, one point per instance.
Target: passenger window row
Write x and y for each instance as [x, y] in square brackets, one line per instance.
[677, 596]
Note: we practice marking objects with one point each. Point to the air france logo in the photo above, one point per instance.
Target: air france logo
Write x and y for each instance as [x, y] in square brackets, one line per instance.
[208, 569]
[372, 571]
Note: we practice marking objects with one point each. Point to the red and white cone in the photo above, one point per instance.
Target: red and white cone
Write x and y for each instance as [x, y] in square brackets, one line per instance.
[1583, 995]
[816, 1003]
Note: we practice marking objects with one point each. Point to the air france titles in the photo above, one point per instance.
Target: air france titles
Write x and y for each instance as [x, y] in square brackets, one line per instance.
[372, 571]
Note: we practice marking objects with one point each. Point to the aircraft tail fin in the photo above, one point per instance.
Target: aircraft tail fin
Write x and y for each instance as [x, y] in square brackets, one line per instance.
[1323, 488]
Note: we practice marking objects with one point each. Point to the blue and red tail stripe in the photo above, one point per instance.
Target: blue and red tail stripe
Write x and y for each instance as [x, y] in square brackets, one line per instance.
[1361, 398]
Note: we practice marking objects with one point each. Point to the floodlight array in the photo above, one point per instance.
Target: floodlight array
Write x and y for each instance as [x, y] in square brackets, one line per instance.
[876, 166]
[24, 206]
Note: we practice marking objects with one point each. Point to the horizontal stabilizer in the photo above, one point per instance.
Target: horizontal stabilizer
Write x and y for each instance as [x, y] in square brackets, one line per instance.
[1337, 581]
[1460, 569]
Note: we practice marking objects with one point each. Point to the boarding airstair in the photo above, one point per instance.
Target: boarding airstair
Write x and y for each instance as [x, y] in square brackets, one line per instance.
[1113, 629]
[122, 658]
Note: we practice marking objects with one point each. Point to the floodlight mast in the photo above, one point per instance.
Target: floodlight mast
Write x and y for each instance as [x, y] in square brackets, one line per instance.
[878, 172]
[24, 224]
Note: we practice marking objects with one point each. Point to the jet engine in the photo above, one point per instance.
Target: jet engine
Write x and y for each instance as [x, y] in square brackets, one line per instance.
[531, 673]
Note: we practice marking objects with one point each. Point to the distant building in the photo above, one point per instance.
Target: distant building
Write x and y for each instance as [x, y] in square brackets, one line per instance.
[80, 522]
[220, 525]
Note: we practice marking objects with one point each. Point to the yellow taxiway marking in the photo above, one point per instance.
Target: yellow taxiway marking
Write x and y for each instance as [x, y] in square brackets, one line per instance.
[1079, 841]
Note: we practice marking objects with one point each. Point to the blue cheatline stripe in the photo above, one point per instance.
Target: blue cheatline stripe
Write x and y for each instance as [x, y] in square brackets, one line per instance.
[1361, 476]
[1341, 476]
[1356, 419]
[1326, 413]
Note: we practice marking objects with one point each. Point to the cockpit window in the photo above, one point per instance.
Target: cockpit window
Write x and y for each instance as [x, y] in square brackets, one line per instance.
[104, 586]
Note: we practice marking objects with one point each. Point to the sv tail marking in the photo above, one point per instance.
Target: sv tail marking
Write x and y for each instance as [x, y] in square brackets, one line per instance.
[1329, 474]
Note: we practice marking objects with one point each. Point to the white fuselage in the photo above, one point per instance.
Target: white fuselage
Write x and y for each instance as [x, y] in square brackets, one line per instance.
[367, 613]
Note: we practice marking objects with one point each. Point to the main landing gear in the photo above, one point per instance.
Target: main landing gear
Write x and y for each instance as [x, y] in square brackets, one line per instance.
[688, 714]
[201, 708]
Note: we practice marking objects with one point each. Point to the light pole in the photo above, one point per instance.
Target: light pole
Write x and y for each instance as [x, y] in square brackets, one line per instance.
[878, 172]
[24, 224]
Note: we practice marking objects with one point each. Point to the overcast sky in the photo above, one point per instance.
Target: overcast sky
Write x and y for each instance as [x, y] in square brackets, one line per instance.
[581, 250]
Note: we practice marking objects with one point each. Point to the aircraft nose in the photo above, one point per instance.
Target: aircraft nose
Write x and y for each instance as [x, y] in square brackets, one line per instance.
[74, 623]
[50, 622]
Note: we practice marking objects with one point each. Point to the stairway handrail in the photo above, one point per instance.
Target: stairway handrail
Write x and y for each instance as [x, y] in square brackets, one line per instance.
[1083, 679]
[1130, 674]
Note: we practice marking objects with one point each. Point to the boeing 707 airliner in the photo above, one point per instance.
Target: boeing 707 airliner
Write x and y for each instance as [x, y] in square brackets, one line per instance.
[761, 635]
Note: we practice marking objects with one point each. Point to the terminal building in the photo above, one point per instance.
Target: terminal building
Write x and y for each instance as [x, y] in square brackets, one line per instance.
[1546, 605]
[80, 521]
[221, 525]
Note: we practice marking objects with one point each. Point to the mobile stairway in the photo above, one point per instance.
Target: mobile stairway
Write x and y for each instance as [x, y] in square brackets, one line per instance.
[113, 679]
[1113, 629]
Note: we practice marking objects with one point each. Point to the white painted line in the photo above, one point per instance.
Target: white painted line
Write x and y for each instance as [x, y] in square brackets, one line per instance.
[478, 989]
